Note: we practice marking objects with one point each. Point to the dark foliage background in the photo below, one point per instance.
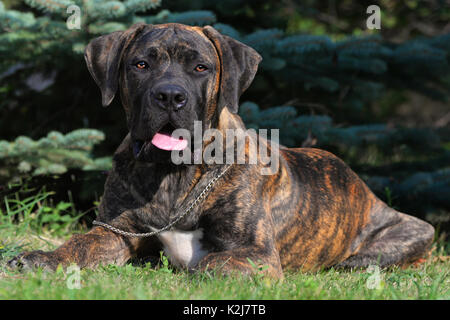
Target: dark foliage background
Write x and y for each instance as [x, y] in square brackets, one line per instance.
[376, 98]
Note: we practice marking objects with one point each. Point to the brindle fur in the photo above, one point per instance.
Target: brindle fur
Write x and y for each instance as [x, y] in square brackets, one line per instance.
[313, 212]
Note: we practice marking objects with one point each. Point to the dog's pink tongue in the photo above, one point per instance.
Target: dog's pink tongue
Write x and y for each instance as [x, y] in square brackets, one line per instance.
[166, 142]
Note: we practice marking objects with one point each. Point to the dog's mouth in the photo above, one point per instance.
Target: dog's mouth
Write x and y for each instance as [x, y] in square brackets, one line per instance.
[162, 140]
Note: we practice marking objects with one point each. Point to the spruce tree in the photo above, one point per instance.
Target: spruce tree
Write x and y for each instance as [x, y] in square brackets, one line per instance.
[343, 73]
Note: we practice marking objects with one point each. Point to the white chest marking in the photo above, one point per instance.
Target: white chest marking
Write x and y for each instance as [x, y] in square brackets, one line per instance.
[183, 247]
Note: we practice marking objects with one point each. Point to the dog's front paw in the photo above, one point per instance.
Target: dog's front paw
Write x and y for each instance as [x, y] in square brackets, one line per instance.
[34, 259]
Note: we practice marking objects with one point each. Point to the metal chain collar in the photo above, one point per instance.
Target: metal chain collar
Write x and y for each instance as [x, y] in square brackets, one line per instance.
[194, 203]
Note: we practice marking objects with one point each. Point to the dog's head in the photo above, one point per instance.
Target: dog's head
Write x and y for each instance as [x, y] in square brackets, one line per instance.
[170, 76]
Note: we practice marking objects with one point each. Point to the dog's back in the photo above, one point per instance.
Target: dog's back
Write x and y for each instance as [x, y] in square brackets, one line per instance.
[327, 216]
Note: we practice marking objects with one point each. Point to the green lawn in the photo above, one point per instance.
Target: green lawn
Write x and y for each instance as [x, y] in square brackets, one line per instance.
[32, 223]
[428, 281]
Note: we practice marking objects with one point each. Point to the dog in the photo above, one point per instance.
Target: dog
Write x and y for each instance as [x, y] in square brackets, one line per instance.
[313, 212]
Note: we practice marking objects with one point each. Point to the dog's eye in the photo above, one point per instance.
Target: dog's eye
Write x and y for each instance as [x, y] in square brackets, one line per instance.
[200, 68]
[141, 65]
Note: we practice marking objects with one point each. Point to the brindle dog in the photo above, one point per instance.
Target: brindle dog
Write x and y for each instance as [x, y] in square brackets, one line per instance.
[313, 212]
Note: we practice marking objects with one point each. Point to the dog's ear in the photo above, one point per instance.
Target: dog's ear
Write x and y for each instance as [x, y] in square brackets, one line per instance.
[103, 57]
[238, 66]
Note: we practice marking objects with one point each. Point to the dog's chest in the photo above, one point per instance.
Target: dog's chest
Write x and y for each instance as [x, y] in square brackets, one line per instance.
[184, 248]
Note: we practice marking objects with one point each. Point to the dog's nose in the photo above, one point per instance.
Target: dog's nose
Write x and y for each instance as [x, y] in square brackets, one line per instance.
[170, 96]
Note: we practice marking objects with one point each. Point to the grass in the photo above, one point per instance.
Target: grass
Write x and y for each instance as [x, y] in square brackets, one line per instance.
[25, 225]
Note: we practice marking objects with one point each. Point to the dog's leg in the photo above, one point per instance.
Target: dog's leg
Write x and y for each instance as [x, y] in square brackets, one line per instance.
[98, 246]
[243, 261]
[393, 238]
